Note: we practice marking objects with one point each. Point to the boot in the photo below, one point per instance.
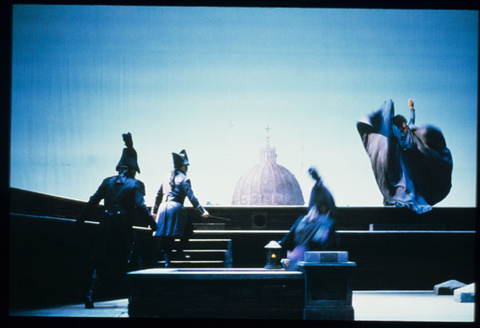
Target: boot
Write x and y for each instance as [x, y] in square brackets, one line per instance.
[91, 292]
[166, 255]
[89, 300]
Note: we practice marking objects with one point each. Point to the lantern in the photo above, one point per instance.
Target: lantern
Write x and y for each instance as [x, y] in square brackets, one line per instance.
[273, 253]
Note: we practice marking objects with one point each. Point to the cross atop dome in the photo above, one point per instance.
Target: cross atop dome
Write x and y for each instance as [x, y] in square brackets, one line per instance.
[268, 136]
[268, 154]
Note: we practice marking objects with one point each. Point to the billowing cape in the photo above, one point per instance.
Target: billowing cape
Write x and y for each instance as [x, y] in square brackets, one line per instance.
[417, 178]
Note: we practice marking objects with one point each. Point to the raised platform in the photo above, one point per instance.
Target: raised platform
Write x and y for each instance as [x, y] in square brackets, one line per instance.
[216, 293]
[320, 291]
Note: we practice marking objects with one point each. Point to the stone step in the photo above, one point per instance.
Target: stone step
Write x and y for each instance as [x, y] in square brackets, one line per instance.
[207, 244]
[203, 254]
[206, 252]
[209, 226]
[193, 264]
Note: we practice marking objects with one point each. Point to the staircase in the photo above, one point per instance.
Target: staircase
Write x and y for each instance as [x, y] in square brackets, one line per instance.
[202, 253]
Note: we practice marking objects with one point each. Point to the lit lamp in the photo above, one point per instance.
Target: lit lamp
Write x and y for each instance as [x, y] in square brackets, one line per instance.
[273, 255]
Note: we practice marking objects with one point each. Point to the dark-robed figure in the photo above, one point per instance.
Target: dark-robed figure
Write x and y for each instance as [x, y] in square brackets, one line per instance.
[412, 165]
[172, 219]
[123, 196]
[314, 231]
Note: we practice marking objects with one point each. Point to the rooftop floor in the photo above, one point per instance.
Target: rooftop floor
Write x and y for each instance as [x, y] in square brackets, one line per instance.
[398, 306]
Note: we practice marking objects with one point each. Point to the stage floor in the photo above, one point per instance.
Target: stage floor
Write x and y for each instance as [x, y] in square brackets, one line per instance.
[412, 306]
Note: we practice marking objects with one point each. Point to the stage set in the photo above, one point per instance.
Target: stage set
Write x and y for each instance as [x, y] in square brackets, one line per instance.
[231, 268]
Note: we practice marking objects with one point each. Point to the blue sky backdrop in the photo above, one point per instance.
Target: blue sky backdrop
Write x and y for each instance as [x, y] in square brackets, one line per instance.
[210, 80]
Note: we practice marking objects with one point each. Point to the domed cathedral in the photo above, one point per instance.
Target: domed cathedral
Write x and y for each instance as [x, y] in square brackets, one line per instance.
[268, 183]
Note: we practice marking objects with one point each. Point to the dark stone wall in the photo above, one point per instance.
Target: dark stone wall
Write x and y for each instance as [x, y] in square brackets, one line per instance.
[49, 260]
[385, 260]
[349, 218]
[263, 217]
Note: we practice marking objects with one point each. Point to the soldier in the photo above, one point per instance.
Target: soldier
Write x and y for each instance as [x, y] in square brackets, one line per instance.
[172, 217]
[123, 196]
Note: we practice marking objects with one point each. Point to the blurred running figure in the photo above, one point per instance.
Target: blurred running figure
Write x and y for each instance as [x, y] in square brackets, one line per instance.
[314, 231]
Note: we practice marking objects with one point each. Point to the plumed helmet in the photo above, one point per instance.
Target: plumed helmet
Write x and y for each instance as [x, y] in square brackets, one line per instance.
[180, 159]
[129, 155]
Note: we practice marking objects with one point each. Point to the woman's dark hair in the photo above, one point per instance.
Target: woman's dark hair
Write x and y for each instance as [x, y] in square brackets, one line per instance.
[314, 174]
[398, 120]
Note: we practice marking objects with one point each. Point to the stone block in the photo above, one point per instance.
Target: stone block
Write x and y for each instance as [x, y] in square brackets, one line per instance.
[447, 287]
[465, 294]
[326, 256]
[406, 226]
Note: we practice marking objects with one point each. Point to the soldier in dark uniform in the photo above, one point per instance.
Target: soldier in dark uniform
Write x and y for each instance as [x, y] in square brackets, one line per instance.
[172, 217]
[123, 196]
[314, 231]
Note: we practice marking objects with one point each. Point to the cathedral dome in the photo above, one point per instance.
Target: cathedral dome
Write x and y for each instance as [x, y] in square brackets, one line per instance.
[268, 183]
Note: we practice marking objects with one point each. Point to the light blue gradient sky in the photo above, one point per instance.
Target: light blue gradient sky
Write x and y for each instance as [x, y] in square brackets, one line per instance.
[211, 79]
